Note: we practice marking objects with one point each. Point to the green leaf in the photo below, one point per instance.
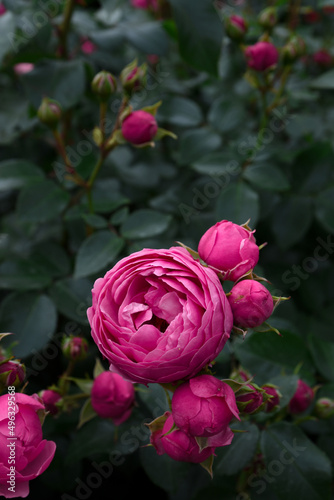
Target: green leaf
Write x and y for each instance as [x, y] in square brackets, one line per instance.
[324, 81]
[14, 116]
[324, 210]
[266, 176]
[295, 466]
[200, 33]
[292, 218]
[265, 354]
[7, 30]
[87, 413]
[219, 164]
[22, 274]
[226, 114]
[106, 196]
[72, 298]
[41, 202]
[16, 173]
[162, 470]
[238, 202]
[96, 252]
[145, 223]
[95, 437]
[148, 37]
[51, 258]
[233, 458]
[286, 385]
[323, 355]
[64, 81]
[194, 144]
[180, 111]
[31, 317]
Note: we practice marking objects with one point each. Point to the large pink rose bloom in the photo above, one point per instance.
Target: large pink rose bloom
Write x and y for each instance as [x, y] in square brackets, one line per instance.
[33, 454]
[159, 316]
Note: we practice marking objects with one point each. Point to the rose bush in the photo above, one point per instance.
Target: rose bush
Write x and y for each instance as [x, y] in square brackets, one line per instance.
[33, 454]
[159, 316]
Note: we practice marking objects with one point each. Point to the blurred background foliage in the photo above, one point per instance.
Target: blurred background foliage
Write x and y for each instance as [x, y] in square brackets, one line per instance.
[52, 248]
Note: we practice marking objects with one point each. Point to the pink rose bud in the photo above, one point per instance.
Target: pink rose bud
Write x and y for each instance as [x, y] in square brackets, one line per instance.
[261, 56]
[49, 112]
[203, 406]
[268, 17]
[3, 9]
[236, 27]
[181, 446]
[301, 399]
[33, 454]
[159, 316]
[23, 68]
[293, 49]
[12, 373]
[323, 58]
[88, 47]
[139, 127]
[251, 303]
[274, 400]
[50, 398]
[145, 4]
[324, 408]
[75, 348]
[133, 77]
[104, 85]
[229, 248]
[112, 397]
[249, 399]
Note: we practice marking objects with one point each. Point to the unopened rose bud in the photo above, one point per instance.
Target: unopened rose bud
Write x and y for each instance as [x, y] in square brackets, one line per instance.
[49, 112]
[268, 17]
[302, 398]
[133, 77]
[235, 27]
[261, 56]
[104, 85]
[75, 348]
[251, 303]
[293, 49]
[87, 46]
[249, 399]
[204, 406]
[274, 400]
[50, 398]
[324, 408]
[12, 372]
[139, 127]
[230, 249]
[323, 58]
[112, 397]
[23, 68]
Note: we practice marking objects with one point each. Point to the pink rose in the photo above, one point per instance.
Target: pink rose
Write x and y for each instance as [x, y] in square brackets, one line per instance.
[203, 406]
[139, 127]
[3, 9]
[181, 446]
[251, 303]
[12, 372]
[229, 248]
[145, 4]
[23, 68]
[159, 316]
[261, 56]
[33, 454]
[302, 398]
[112, 397]
[50, 398]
